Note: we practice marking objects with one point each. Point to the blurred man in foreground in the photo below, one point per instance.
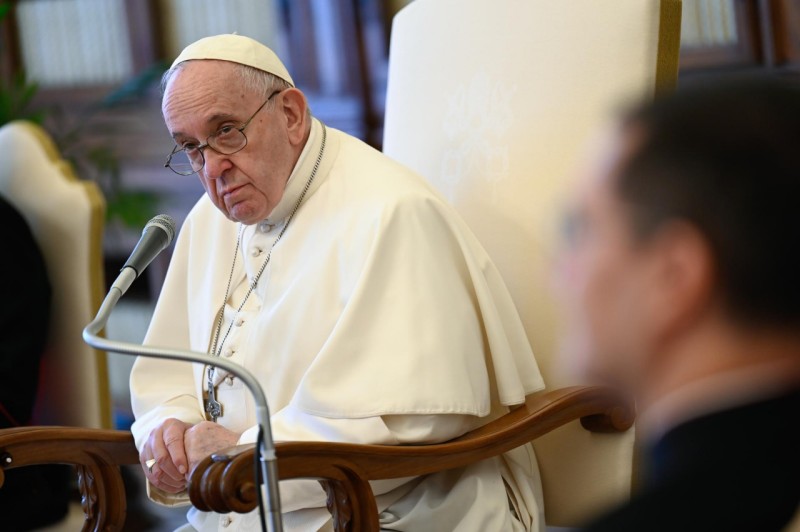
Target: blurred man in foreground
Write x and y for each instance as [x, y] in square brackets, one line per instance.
[681, 276]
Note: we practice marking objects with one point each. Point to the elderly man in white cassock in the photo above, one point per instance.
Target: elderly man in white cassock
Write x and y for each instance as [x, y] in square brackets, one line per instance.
[357, 296]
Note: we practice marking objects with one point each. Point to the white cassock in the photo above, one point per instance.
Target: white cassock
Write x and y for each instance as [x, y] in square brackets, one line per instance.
[379, 320]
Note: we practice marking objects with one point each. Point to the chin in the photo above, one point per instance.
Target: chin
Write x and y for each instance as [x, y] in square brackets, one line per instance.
[243, 215]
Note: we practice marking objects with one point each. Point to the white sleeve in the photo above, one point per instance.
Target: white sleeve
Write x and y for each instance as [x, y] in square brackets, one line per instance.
[163, 389]
[292, 424]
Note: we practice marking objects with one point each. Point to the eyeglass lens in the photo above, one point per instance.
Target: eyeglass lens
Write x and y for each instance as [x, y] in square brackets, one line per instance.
[226, 141]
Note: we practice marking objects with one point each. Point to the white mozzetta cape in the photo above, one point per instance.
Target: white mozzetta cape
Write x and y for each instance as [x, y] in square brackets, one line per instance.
[380, 319]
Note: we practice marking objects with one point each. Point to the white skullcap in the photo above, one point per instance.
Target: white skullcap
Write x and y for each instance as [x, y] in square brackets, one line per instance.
[236, 49]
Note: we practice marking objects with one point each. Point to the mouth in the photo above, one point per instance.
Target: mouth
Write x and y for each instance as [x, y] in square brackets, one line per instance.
[228, 191]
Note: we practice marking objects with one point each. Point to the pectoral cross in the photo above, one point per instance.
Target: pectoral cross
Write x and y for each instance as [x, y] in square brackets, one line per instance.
[213, 407]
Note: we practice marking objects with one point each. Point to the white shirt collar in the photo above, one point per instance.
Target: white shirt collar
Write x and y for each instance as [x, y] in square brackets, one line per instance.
[299, 177]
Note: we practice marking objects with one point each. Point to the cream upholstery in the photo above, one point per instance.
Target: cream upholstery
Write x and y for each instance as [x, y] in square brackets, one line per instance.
[492, 100]
[66, 218]
[794, 525]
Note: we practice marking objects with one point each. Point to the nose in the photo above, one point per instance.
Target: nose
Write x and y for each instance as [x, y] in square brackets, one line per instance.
[216, 164]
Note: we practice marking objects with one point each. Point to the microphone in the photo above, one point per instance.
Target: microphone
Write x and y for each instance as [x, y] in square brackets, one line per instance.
[156, 236]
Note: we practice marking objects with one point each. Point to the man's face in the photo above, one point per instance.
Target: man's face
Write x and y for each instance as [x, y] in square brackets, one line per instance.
[604, 275]
[205, 96]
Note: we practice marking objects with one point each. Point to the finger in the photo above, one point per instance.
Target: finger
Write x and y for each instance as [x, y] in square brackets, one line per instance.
[161, 453]
[144, 456]
[154, 474]
[173, 441]
[149, 450]
[163, 481]
[163, 460]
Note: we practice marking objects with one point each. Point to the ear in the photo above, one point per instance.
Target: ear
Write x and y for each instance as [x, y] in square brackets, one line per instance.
[683, 279]
[294, 106]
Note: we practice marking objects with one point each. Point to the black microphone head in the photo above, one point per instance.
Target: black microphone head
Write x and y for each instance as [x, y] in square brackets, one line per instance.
[164, 222]
[156, 236]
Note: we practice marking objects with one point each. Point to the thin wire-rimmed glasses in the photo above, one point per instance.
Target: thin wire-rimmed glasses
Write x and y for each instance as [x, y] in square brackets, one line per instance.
[189, 159]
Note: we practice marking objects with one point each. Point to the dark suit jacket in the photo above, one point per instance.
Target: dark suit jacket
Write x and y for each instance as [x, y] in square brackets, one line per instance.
[24, 317]
[736, 470]
[30, 496]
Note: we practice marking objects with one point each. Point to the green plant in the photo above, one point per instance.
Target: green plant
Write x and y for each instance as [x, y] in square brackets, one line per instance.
[15, 99]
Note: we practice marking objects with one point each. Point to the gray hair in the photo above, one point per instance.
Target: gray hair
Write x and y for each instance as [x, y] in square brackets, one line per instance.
[252, 79]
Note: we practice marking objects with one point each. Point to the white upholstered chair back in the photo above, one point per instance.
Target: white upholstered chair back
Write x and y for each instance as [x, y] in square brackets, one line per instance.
[66, 218]
[492, 101]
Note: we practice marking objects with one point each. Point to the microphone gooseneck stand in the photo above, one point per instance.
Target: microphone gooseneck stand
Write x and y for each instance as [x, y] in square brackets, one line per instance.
[269, 470]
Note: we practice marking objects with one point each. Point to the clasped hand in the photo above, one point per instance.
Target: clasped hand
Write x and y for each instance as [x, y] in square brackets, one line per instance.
[178, 447]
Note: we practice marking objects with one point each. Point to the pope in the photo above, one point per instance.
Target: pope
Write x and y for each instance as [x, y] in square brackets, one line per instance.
[360, 300]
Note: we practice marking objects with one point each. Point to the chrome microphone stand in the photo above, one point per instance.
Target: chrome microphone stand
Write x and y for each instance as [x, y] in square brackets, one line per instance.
[269, 470]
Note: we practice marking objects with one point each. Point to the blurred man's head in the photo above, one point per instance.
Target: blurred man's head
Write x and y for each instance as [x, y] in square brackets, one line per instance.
[686, 232]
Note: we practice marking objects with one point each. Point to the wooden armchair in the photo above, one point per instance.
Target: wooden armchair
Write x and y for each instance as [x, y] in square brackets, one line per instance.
[492, 111]
[224, 482]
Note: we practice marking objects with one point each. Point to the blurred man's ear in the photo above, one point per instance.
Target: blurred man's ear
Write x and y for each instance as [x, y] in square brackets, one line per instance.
[682, 280]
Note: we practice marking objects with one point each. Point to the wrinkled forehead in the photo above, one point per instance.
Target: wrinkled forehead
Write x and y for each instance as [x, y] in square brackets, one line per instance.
[200, 77]
[200, 89]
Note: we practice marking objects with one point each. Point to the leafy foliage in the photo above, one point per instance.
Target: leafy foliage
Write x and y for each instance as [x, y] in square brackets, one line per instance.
[16, 95]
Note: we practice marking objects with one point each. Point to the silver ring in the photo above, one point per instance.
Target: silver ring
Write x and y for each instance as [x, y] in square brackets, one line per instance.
[150, 463]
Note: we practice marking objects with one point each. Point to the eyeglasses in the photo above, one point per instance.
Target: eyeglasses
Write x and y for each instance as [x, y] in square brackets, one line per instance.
[189, 159]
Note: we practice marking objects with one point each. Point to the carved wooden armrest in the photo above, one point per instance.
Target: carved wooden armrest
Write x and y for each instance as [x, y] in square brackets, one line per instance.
[224, 482]
[96, 455]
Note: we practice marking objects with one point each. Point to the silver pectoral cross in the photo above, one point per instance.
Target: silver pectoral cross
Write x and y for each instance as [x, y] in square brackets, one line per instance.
[213, 407]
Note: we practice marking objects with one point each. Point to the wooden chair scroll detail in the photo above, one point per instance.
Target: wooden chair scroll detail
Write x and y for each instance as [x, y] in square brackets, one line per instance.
[96, 455]
[224, 482]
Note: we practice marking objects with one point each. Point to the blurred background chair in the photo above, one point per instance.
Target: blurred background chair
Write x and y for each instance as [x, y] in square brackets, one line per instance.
[494, 112]
[65, 216]
[50, 376]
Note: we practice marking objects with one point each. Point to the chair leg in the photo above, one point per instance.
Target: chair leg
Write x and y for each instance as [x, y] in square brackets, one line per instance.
[102, 496]
[96, 455]
[351, 503]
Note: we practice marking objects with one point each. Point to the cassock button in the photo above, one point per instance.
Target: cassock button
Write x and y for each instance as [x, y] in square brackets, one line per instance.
[228, 352]
[226, 521]
[265, 226]
[256, 252]
[229, 380]
[239, 322]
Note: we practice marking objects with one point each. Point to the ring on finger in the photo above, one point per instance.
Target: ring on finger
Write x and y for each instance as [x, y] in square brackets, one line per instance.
[150, 463]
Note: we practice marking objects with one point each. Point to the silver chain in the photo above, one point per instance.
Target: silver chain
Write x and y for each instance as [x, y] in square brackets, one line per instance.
[214, 351]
